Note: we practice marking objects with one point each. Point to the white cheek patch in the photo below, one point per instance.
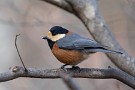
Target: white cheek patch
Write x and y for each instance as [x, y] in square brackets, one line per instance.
[57, 37]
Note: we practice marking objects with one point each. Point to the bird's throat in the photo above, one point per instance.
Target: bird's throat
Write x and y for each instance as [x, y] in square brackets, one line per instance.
[50, 43]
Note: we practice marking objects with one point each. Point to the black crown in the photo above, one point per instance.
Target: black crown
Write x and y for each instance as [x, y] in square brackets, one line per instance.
[58, 30]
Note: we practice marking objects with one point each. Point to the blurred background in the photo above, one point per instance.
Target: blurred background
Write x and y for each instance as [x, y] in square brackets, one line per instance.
[33, 18]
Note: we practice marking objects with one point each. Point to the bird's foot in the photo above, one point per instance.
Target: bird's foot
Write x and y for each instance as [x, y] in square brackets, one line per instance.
[63, 67]
[76, 68]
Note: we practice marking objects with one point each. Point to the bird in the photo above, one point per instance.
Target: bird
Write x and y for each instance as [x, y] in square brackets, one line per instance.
[70, 48]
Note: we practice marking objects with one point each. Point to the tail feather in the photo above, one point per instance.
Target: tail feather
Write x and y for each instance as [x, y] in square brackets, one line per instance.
[103, 50]
[113, 51]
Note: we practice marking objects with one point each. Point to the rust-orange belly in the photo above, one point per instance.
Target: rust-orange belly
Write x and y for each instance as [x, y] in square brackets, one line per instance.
[71, 57]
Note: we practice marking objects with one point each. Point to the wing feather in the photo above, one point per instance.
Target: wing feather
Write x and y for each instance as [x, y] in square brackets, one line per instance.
[76, 42]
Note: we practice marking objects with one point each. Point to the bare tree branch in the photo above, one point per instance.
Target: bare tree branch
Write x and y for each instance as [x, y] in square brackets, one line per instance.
[88, 13]
[61, 3]
[109, 73]
[69, 81]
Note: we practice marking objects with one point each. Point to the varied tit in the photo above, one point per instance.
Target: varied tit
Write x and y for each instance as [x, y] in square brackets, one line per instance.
[71, 48]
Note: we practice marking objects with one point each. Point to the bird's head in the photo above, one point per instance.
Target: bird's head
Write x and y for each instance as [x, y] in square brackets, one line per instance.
[56, 33]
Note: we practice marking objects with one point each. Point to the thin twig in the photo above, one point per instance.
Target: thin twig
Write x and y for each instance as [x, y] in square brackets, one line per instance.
[19, 53]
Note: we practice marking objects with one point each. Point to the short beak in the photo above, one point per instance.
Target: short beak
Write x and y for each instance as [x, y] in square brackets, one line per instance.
[45, 37]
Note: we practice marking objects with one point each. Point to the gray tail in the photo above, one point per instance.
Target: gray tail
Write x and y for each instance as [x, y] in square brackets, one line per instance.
[104, 50]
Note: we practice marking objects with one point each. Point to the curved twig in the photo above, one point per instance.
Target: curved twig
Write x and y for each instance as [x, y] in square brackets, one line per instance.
[18, 51]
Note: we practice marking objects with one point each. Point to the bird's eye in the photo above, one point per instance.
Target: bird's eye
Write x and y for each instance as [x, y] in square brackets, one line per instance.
[54, 33]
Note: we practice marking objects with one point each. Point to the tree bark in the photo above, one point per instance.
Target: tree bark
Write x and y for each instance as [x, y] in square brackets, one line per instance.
[109, 73]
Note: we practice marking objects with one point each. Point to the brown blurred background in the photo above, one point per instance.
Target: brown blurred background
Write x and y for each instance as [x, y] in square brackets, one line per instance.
[33, 19]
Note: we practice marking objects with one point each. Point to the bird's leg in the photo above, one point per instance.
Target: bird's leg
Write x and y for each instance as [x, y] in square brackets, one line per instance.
[76, 68]
[63, 67]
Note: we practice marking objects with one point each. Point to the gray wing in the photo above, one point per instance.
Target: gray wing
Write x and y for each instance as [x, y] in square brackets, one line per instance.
[76, 42]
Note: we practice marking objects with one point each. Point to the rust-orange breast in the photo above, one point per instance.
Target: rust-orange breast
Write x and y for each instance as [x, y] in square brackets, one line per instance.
[71, 57]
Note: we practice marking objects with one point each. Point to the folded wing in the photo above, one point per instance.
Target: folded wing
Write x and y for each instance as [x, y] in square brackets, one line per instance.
[76, 42]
